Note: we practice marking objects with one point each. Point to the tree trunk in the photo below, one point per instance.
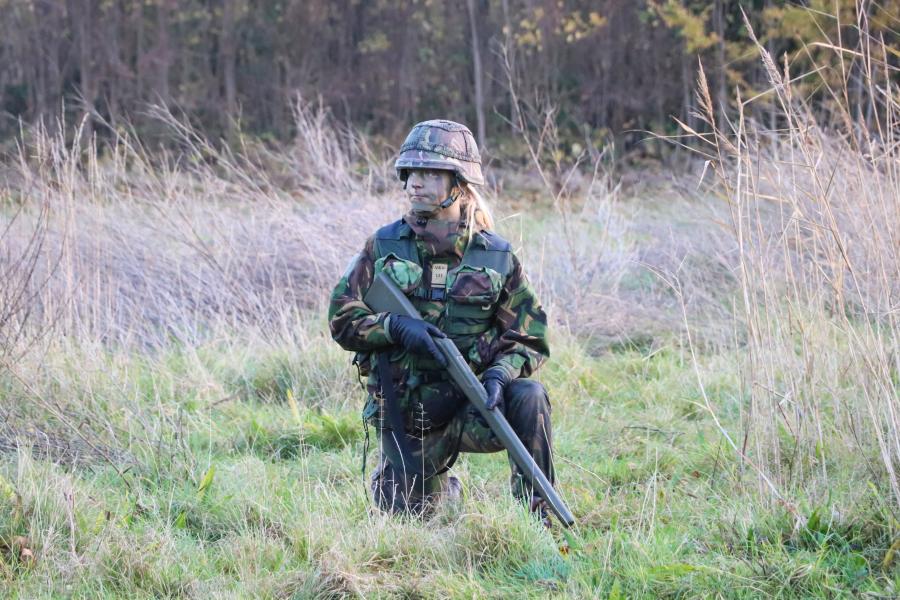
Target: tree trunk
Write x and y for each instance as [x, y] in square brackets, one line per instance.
[34, 69]
[137, 17]
[687, 90]
[228, 60]
[86, 72]
[477, 72]
[763, 77]
[863, 100]
[163, 53]
[720, 81]
[507, 44]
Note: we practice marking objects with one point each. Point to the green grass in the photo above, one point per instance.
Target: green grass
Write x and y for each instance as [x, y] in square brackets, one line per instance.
[230, 494]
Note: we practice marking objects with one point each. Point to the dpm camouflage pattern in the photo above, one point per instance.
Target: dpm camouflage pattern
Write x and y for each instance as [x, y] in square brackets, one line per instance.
[515, 337]
[496, 322]
[440, 144]
[526, 407]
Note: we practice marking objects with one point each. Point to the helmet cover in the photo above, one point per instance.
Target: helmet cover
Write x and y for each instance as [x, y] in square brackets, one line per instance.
[441, 144]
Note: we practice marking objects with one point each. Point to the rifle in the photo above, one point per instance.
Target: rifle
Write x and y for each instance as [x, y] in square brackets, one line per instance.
[385, 296]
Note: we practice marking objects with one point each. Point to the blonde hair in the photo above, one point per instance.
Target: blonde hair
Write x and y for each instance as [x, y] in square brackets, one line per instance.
[475, 209]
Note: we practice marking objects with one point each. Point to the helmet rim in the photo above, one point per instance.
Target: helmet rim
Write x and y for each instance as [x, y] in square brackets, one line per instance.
[443, 145]
[406, 163]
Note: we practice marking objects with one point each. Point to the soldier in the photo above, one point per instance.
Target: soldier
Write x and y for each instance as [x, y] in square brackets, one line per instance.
[468, 285]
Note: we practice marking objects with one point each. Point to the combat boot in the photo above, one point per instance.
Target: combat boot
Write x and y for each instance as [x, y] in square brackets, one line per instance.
[449, 489]
[539, 509]
[453, 491]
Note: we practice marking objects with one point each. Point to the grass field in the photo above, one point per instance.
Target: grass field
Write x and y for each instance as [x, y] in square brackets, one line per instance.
[175, 420]
[228, 493]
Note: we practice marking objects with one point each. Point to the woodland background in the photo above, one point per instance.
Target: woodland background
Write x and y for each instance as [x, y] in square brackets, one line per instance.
[610, 69]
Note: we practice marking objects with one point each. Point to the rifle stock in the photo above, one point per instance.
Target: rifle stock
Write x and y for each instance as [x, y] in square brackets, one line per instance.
[384, 296]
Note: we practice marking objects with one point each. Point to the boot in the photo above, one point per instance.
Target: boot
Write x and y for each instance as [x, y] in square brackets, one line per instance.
[539, 509]
[453, 491]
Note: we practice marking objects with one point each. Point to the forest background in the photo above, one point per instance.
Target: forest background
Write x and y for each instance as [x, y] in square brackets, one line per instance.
[611, 69]
[705, 195]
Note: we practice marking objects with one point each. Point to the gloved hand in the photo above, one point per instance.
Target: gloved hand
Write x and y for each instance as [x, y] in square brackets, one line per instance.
[415, 336]
[494, 380]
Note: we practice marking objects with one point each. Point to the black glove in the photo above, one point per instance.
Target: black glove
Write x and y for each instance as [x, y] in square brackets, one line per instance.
[494, 380]
[415, 337]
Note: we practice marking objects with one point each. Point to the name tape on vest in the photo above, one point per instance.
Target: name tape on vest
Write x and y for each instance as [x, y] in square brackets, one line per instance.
[438, 274]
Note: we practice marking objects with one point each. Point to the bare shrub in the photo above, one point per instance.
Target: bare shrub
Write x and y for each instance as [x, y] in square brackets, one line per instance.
[26, 267]
[173, 247]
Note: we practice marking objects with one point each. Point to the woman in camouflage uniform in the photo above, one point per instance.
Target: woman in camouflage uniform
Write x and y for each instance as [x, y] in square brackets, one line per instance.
[468, 285]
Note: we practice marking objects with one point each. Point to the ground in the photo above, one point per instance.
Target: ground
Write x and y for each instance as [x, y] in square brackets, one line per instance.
[238, 496]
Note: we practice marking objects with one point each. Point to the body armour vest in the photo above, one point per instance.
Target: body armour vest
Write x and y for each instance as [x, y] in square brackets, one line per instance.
[463, 307]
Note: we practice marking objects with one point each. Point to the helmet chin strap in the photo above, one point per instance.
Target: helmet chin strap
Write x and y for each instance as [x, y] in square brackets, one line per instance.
[454, 186]
[446, 203]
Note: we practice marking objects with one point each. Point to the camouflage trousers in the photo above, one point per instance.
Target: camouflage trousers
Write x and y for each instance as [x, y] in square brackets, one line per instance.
[526, 407]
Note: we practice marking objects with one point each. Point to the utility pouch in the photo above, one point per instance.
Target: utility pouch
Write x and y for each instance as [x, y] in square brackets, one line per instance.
[474, 286]
[472, 295]
[406, 274]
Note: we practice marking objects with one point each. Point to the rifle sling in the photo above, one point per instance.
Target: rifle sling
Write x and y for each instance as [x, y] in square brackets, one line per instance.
[395, 446]
[393, 436]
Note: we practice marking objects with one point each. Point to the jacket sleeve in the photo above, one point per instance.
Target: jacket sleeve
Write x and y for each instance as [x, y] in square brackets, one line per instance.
[352, 324]
[522, 340]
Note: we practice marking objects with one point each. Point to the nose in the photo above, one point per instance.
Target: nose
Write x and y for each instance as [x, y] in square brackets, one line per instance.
[414, 180]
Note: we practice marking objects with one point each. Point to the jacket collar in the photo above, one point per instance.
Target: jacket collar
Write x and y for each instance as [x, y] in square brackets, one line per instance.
[479, 239]
[405, 231]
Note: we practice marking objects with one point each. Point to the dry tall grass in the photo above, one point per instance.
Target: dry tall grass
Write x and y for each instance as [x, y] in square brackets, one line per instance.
[815, 220]
[140, 249]
[144, 249]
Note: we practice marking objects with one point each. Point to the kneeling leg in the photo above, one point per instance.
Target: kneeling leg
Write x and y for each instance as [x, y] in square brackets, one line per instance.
[396, 490]
[527, 408]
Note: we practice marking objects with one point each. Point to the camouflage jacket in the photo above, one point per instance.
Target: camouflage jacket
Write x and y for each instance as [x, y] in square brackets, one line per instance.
[495, 319]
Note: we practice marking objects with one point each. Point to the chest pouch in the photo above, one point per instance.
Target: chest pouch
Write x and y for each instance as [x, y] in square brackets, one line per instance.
[472, 296]
[475, 286]
[405, 273]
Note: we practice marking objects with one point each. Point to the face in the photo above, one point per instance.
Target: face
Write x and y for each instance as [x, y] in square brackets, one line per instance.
[427, 188]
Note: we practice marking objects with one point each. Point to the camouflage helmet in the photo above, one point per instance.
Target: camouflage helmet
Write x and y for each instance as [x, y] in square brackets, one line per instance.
[440, 144]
